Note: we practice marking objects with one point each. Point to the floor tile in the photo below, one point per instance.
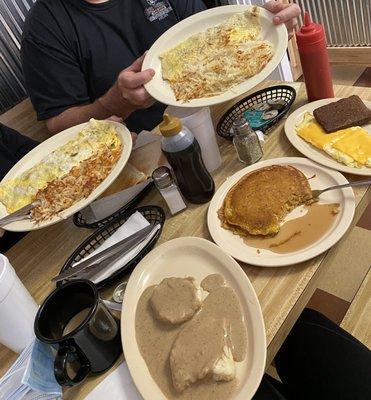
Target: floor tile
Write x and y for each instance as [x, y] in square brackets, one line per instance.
[331, 306]
[347, 269]
[365, 219]
[344, 75]
[357, 320]
[365, 78]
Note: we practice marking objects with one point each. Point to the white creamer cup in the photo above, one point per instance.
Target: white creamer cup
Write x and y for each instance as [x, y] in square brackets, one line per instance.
[17, 309]
[199, 122]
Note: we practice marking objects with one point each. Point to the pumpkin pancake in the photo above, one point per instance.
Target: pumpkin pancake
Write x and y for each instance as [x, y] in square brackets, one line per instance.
[259, 201]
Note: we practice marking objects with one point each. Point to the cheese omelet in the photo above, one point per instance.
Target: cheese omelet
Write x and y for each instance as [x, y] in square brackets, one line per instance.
[213, 61]
[351, 146]
[94, 139]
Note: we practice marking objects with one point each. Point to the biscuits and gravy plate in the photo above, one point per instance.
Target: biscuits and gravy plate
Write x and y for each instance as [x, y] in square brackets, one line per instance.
[264, 215]
[215, 56]
[177, 270]
[307, 136]
[65, 173]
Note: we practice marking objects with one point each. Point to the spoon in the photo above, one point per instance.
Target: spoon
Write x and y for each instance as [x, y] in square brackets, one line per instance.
[117, 297]
[317, 193]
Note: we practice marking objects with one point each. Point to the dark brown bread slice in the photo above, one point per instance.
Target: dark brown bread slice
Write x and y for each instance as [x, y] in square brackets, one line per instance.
[342, 114]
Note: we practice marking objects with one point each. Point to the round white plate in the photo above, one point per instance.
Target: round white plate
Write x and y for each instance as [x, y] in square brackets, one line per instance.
[161, 90]
[45, 148]
[234, 244]
[191, 256]
[312, 152]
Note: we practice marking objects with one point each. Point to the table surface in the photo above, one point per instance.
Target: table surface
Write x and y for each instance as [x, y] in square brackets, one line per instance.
[282, 292]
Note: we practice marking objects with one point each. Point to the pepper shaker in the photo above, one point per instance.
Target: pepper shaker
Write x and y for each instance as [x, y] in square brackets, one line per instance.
[246, 142]
[168, 189]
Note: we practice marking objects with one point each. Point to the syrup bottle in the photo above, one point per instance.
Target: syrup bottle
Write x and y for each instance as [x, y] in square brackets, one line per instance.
[184, 155]
[311, 40]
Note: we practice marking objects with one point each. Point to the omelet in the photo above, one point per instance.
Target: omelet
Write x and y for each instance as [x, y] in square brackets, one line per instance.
[351, 146]
[215, 60]
[96, 137]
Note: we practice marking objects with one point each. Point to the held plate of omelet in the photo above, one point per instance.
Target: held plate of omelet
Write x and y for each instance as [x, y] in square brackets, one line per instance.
[65, 173]
[215, 55]
[347, 150]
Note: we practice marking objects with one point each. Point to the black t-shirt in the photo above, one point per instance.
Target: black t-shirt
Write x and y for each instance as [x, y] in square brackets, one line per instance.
[13, 146]
[73, 51]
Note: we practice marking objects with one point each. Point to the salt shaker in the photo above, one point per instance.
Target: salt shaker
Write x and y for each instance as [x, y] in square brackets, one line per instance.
[168, 189]
[246, 142]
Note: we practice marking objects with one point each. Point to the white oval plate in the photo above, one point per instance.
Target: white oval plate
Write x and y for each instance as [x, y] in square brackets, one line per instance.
[234, 244]
[161, 90]
[191, 256]
[312, 152]
[45, 148]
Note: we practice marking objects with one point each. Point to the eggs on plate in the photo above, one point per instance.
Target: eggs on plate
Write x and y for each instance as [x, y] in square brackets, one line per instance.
[22, 190]
[351, 146]
[213, 61]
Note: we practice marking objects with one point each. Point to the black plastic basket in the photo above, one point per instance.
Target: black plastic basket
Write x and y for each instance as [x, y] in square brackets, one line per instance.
[153, 214]
[284, 92]
[79, 220]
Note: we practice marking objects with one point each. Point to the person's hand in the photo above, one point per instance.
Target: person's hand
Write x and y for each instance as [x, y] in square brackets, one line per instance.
[130, 83]
[128, 93]
[115, 118]
[134, 137]
[284, 13]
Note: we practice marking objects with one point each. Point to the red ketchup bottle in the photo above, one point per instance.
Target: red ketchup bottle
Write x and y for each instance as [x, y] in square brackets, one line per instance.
[311, 40]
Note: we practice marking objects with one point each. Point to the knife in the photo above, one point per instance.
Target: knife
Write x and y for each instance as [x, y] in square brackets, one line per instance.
[121, 247]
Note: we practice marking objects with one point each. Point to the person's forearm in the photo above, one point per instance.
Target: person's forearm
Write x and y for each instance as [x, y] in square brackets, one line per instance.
[109, 104]
[76, 115]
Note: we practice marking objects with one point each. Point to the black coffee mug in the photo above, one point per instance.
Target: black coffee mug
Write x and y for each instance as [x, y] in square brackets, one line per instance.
[93, 339]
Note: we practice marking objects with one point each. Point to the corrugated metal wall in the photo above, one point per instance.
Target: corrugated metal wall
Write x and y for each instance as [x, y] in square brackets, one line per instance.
[347, 22]
[12, 16]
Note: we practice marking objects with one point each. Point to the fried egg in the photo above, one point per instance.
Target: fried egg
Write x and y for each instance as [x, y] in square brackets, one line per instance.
[351, 146]
[20, 191]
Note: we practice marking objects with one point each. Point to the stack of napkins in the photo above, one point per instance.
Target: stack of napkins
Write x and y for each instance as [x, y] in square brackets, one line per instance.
[134, 223]
[31, 377]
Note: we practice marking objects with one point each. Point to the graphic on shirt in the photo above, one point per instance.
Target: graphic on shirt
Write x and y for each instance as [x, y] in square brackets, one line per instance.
[157, 10]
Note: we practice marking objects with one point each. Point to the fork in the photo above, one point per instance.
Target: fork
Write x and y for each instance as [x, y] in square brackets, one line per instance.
[317, 193]
[19, 215]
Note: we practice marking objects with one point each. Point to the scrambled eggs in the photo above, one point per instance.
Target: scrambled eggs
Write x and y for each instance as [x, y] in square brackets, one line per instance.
[351, 146]
[97, 136]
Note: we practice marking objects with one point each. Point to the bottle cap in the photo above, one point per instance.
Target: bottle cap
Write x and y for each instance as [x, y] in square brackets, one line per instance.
[310, 32]
[170, 126]
[162, 177]
[240, 125]
[239, 122]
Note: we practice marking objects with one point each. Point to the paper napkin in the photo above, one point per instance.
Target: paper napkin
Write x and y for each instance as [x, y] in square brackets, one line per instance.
[118, 384]
[102, 208]
[134, 223]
